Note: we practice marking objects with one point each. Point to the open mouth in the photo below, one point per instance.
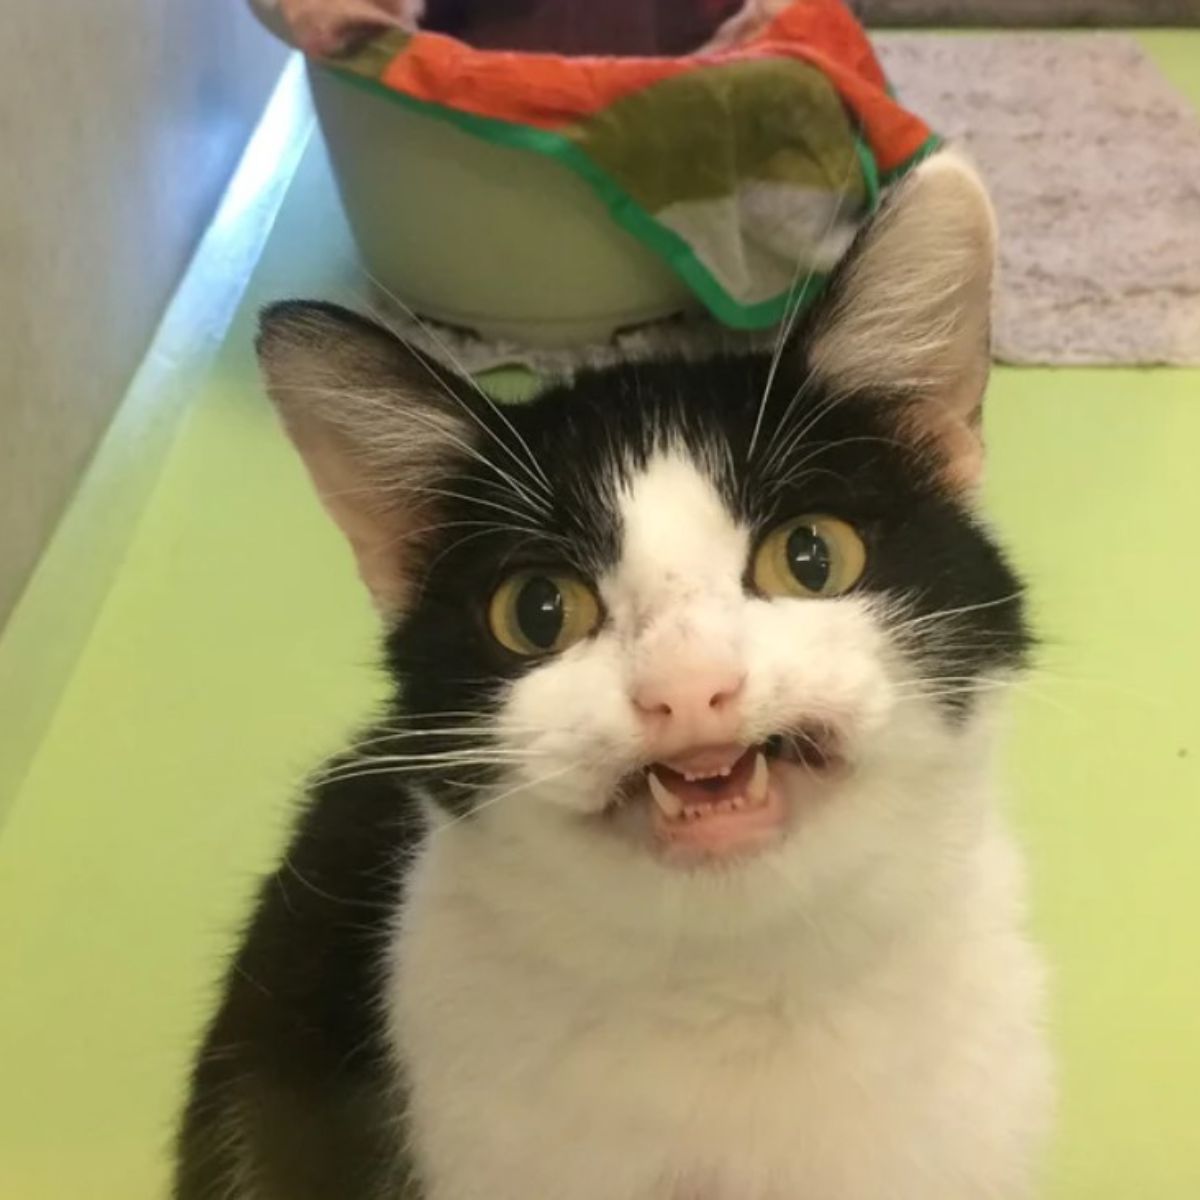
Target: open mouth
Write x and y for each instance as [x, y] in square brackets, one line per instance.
[722, 800]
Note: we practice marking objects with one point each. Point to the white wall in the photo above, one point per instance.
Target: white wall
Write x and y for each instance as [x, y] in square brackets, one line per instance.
[120, 122]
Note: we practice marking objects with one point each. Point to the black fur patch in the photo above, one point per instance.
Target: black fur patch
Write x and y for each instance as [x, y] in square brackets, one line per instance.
[293, 1085]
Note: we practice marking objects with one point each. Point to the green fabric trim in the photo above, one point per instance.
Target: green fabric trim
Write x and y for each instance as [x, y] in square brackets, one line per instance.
[627, 213]
[870, 171]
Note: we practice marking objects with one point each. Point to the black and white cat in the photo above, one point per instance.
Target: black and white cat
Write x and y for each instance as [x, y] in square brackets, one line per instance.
[674, 871]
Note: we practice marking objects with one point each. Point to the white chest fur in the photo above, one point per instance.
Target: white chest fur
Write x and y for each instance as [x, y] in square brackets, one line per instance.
[550, 1059]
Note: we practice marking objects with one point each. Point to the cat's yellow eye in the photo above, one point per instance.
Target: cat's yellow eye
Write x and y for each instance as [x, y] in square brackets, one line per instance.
[808, 557]
[542, 612]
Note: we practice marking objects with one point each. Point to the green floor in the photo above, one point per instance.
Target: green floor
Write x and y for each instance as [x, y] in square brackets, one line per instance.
[235, 647]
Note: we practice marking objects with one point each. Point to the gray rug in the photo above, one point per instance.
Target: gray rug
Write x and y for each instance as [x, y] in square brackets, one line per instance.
[1015, 14]
[1093, 161]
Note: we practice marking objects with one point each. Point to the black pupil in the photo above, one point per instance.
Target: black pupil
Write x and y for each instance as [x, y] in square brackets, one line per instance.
[808, 557]
[540, 611]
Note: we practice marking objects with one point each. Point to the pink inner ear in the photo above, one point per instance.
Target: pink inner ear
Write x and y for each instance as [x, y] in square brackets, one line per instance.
[956, 441]
[962, 450]
[373, 524]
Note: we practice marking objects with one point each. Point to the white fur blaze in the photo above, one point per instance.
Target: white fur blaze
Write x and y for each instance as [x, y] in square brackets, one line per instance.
[850, 1015]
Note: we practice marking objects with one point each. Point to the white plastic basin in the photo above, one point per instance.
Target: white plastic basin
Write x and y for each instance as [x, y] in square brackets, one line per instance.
[497, 240]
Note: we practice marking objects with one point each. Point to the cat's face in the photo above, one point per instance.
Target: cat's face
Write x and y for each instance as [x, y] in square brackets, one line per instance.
[697, 614]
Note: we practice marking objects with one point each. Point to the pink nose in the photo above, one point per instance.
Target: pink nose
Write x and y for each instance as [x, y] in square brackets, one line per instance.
[688, 707]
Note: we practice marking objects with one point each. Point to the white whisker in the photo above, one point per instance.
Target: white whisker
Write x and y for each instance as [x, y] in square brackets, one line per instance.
[786, 328]
[944, 613]
[530, 464]
[513, 791]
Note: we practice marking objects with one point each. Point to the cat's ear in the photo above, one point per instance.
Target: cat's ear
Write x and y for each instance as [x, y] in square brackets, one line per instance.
[907, 314]
[377, 425]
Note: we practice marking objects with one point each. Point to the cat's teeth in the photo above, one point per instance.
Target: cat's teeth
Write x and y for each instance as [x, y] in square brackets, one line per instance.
[756, 789]
[694, 776]
[666, 799]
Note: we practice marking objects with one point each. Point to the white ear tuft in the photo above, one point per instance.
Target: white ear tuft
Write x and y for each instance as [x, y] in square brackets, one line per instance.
[376, 424]
[908, 313]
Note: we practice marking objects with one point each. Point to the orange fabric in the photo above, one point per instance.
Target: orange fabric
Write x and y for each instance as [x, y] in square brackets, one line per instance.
[544, 90]
[550, 92]
[825, 33]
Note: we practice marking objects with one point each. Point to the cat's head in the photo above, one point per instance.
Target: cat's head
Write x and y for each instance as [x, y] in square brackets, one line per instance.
[702, 615]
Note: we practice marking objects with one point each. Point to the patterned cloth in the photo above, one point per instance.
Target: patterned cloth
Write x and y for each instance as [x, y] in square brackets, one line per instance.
[327, 27]
[629, 27]
[748, 169]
